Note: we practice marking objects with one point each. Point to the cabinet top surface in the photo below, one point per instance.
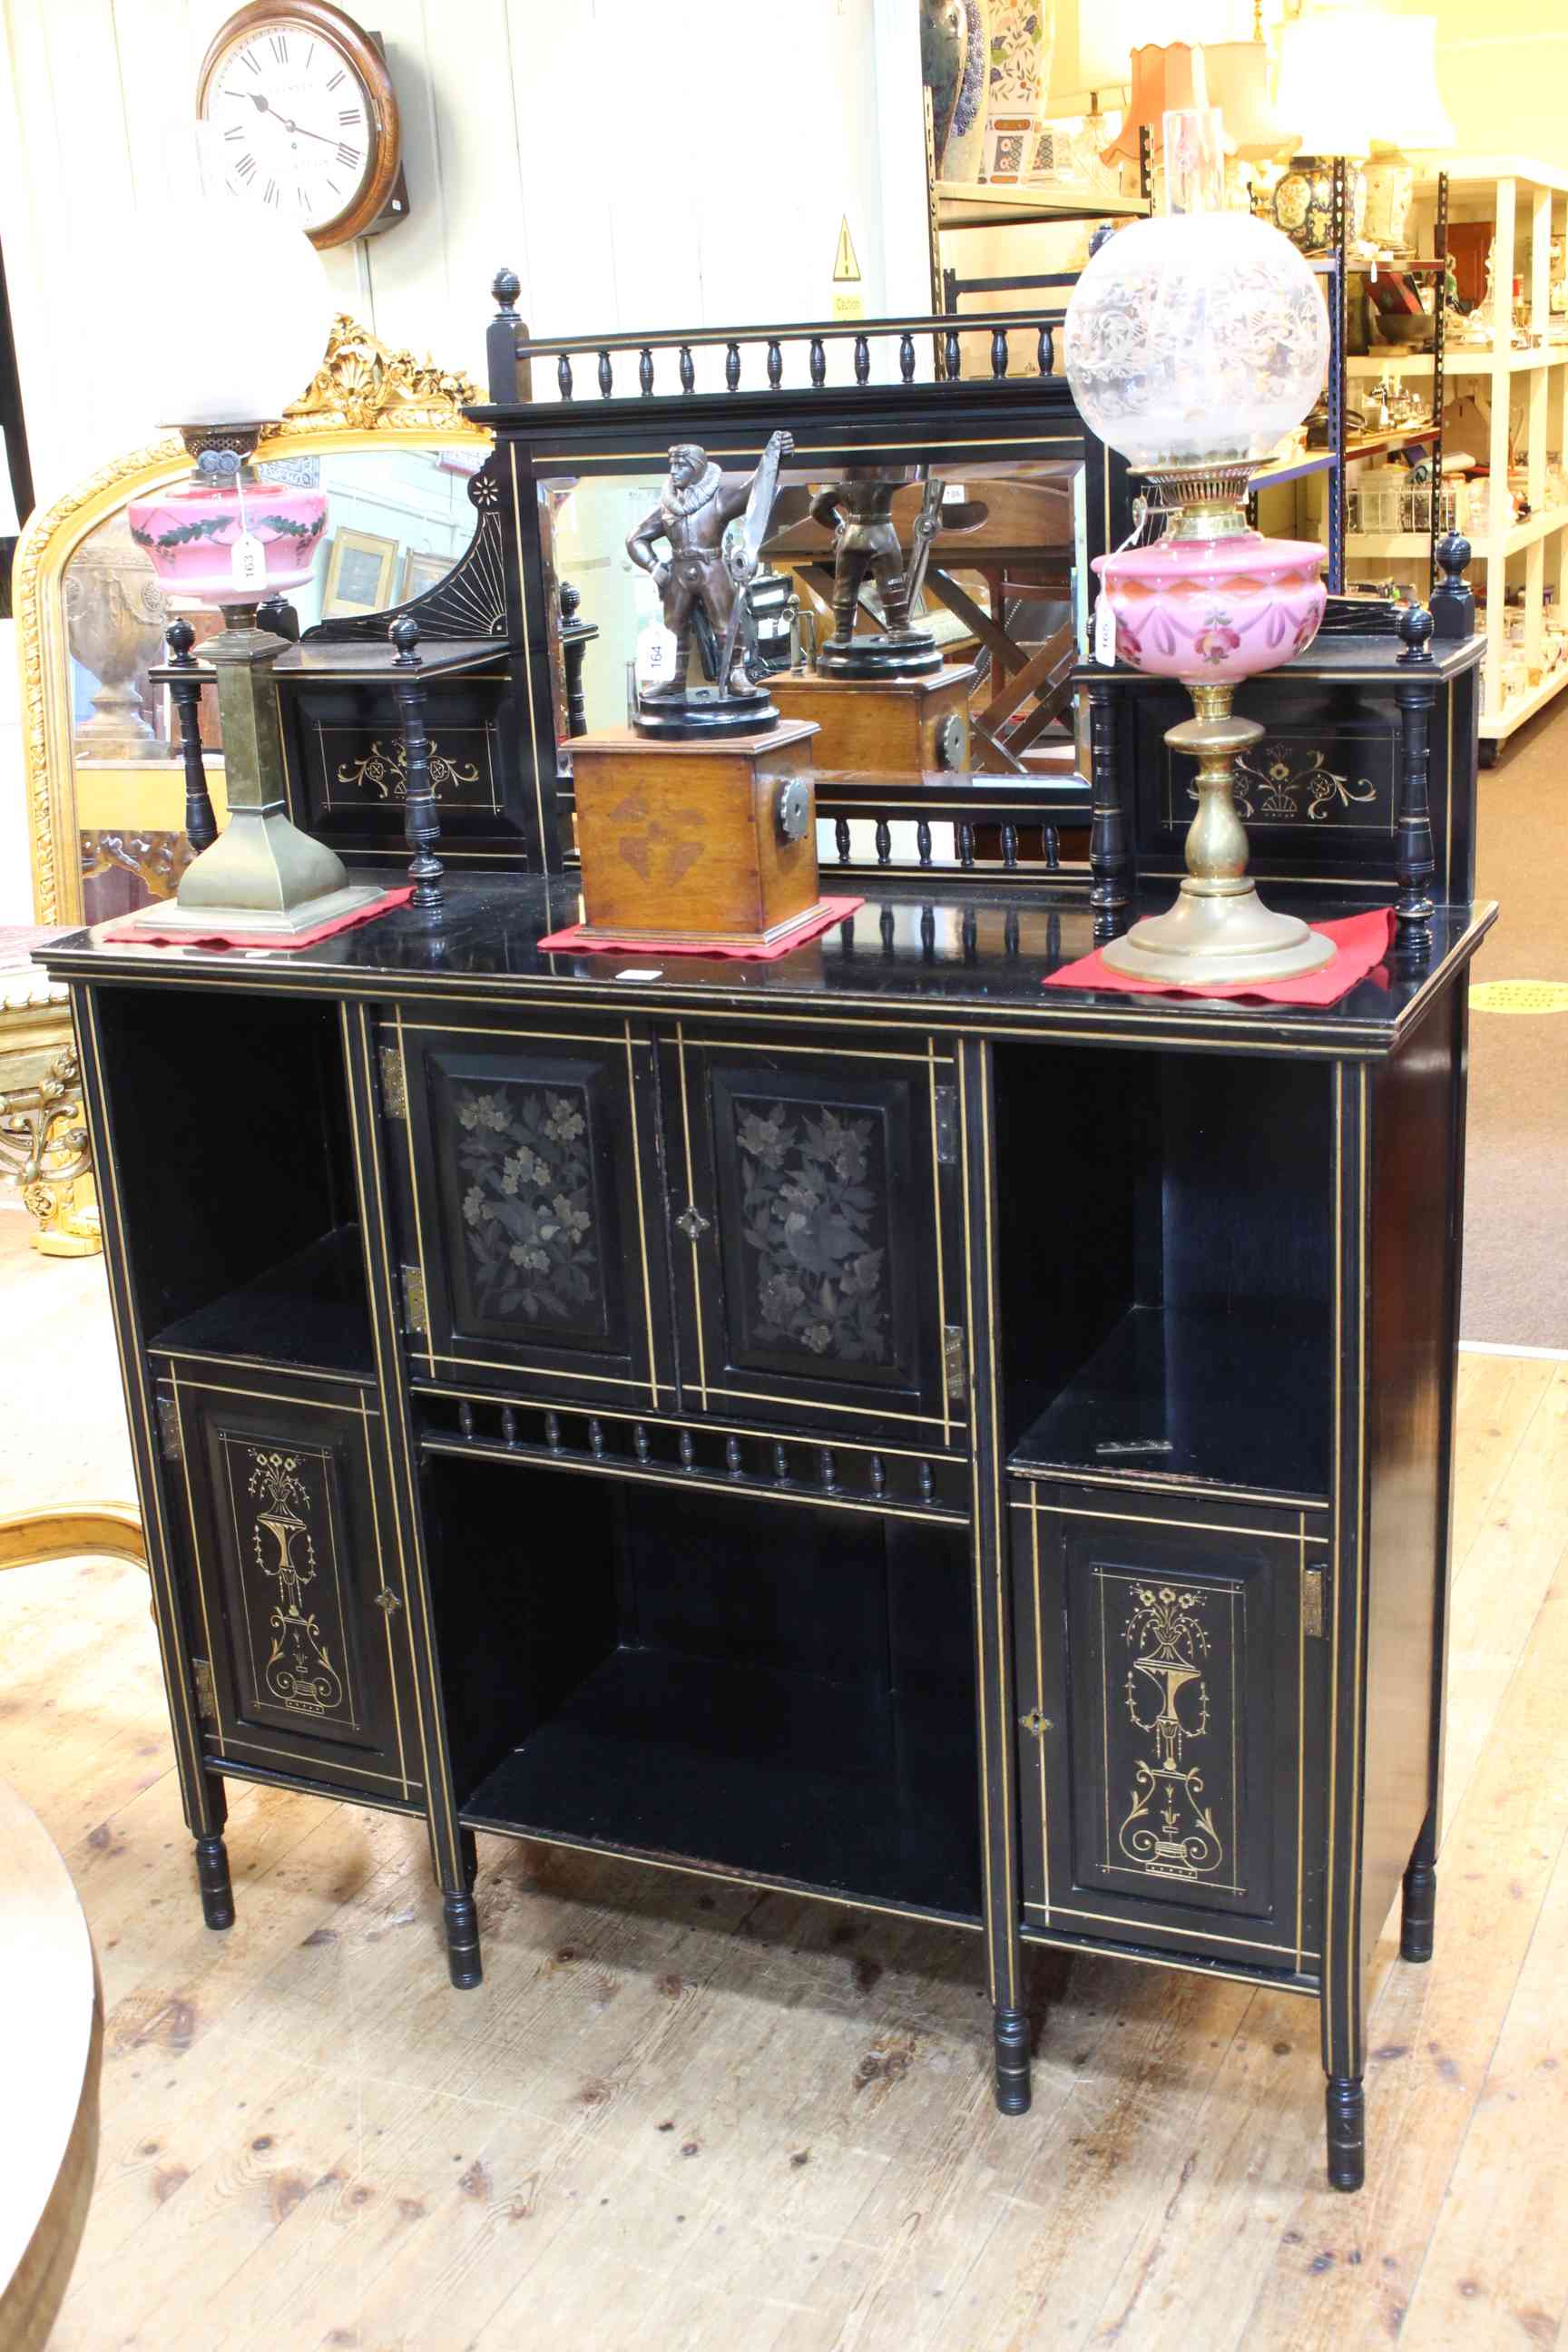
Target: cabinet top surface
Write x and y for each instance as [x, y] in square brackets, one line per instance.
[944, 953]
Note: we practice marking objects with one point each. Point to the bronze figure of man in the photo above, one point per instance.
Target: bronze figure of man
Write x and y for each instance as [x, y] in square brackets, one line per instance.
[696, 505]
[858, 510]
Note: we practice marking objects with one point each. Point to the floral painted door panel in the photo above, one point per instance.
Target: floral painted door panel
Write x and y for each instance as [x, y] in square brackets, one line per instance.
[820, 1223]
[526, 1236]
[298, 1614]
[1171, 1672]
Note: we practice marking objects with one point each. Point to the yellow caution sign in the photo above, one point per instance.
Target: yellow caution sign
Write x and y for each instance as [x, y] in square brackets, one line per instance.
[848, 303]
[845, 268]
[1520, 996]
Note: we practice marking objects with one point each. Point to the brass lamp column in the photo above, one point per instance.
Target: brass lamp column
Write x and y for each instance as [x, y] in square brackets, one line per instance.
[205, 535]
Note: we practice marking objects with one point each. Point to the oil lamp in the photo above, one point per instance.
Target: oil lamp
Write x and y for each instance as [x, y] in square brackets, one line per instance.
[225, 365]
[1194, 341]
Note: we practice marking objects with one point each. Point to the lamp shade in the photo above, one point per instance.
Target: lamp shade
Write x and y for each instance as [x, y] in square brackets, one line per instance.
[1109, 30]
[1196, 340]
[1407, 109]
[1161, 84]
[246, 337]
[1325, 91]
[1238, 75]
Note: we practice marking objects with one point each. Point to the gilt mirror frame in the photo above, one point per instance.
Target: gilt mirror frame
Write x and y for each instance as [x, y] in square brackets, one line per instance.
[364, 396]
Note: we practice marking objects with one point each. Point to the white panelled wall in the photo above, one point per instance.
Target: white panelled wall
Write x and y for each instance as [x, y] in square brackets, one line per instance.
[638, 162]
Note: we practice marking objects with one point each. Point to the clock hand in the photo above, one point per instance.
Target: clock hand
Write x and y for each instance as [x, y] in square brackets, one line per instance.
[265, 106]
[301, 133]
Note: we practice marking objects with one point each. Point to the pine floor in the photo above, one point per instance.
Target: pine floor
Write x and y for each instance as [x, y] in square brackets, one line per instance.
[698, 2119]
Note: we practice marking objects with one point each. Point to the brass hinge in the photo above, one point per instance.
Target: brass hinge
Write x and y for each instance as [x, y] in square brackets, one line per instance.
[168, 1425]
[416, 1313]
[953, 1364]
[206, 1702]
[394, 1088]
[1313, 1602]
[1035, 1723]
[946, 1114]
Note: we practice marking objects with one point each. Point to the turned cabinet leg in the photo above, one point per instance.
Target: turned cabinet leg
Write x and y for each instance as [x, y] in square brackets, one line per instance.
[1011, 2032]
[1420, 1905]
[462, 1920]
[1345, 2101]
[211, 1877]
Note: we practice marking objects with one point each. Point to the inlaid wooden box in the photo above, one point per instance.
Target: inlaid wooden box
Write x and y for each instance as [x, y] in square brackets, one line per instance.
[696, 840]
[883, 727]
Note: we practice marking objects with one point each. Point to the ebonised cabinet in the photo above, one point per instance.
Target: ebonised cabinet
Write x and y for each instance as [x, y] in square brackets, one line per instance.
[867, 1423]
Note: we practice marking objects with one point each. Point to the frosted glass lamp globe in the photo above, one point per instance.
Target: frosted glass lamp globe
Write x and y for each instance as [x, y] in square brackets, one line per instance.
[1197, 338]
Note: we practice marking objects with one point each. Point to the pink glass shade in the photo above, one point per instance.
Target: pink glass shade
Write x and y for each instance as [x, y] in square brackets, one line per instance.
[188, 531]
[1214, 611]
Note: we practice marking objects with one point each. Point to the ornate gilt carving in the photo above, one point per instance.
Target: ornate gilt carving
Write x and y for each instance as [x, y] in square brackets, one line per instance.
[366, 387]
[44, 1142]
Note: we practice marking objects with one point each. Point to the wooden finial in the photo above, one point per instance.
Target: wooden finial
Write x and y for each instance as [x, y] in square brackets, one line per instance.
[1453, 605]
[1414, 628]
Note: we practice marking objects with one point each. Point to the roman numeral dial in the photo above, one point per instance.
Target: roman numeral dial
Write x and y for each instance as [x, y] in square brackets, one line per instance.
[303, 118]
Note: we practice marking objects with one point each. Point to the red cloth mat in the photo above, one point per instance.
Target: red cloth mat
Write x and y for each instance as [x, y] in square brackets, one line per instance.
[573, 941]
[1362, 940]
[145, 935]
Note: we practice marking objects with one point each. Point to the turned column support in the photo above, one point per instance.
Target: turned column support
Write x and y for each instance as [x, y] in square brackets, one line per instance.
[422, 823]
[1108, 858]
[186, 691]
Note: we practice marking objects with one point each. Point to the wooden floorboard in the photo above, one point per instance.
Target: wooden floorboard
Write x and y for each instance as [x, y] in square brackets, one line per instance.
[696, 2118]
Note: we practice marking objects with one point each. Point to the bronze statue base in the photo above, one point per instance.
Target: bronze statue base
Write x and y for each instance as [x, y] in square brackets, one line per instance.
[701, 715]
[880, 653]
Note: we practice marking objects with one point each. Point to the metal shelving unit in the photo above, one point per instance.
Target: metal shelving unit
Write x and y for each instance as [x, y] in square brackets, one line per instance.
[1528, 202]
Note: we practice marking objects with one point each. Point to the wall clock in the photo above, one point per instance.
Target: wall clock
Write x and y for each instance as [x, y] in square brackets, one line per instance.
[305, 118]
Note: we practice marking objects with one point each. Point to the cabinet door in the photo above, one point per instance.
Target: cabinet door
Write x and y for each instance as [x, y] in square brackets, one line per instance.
[813, 1203]
[1170, 1681]
[297, 1605]
[529, 1249]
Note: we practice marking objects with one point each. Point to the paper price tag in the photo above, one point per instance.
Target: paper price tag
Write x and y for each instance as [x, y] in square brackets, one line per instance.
[1104, 632]
[655, 654]
[954, 494]
[247, 561]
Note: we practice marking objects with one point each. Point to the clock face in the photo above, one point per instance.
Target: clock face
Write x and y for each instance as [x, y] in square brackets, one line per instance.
[298, 127]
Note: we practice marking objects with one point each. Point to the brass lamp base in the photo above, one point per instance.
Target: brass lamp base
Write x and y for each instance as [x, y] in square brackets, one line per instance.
[1219, 933]
[261, 874]
[1225, 942]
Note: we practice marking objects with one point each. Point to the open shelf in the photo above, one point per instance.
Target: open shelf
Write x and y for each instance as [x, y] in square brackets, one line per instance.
[308, 1311]
[710, 1680]
[959, 204]
[786, 1777]
[237, 1174]
[1169, 1275]
[1209, 1398]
